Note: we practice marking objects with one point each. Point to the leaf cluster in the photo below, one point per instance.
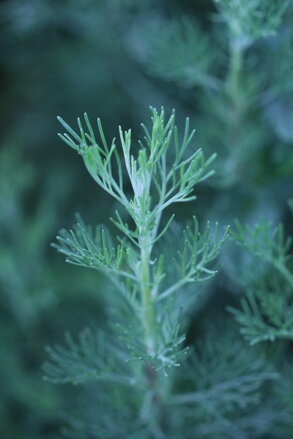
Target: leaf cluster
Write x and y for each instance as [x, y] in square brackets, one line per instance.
[88, 360]
[265, 311]
[157, 180]
[181, 52]
[251, 20]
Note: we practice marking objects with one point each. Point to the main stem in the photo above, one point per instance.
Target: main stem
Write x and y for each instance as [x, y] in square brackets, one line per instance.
[156, 417]
[148, 309]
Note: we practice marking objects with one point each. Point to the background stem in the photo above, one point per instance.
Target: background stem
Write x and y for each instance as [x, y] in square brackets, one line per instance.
[235, 68]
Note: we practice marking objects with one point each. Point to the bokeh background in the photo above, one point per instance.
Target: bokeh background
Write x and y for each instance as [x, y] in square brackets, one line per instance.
[67, 57]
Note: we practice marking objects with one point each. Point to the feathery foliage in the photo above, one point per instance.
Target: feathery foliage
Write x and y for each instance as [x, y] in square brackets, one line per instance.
[234, 80]
[139, 370]
[148, 333]
[192, 57]
[155, 183]
[266, 312]
[248, 21]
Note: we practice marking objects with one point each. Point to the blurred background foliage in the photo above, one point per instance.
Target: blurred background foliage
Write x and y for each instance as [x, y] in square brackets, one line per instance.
[113, 59]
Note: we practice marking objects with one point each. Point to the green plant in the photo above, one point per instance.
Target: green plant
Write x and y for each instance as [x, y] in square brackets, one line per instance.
[226, 63]
[140, 352]
[236, 75]
[130, 368]
[266, 311]
[27, 294]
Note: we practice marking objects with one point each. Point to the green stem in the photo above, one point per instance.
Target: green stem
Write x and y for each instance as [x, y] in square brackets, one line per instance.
[156, 417]
[235, 68]
[148, 308]
[236, 110]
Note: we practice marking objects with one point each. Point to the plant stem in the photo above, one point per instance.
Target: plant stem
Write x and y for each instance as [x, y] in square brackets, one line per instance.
[156, 416]
[235, 69]
[235, 108]
[233, 84]
[148, 308]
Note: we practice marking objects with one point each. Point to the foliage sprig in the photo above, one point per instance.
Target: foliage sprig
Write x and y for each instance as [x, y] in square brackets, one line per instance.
[265, 313]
